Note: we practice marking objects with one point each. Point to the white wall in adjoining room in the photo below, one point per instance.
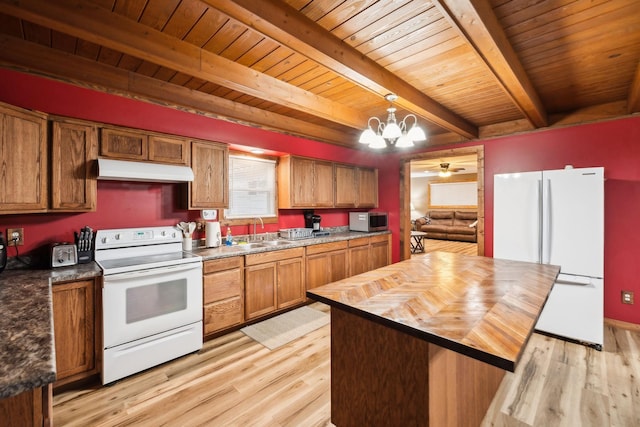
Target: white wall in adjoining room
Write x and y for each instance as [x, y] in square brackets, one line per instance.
[420, 191]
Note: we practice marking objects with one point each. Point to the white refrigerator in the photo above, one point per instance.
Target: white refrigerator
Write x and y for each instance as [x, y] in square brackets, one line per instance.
[557, 217]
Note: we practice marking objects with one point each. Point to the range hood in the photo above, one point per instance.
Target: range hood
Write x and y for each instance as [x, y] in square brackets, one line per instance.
[121, 170]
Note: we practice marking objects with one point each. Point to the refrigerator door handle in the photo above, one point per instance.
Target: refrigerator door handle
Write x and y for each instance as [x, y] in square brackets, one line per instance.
[546, 241]
[567, 279]
[540, 212]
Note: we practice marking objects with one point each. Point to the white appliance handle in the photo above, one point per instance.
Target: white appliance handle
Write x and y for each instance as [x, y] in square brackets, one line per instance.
[573, 280]
[137, 345]
[540, 213]
[546, 242]
[152, 272]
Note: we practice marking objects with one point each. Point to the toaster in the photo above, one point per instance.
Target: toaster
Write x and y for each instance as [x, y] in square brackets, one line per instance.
[64, 254]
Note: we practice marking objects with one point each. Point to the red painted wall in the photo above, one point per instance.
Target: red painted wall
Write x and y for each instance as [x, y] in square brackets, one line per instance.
[614, 145]
[143, 204]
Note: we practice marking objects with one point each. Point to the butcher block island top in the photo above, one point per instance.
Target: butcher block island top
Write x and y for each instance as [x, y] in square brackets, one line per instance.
[481, 307]
[444, 322]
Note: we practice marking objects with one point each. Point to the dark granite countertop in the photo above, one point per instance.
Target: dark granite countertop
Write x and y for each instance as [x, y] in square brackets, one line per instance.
[27, 351]
[239, 249]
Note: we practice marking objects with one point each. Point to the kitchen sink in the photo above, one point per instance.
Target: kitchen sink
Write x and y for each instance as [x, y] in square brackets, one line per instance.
[243, 247]
[276, 242]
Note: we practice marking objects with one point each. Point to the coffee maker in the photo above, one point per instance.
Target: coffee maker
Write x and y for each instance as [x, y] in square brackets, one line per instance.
[312, 220]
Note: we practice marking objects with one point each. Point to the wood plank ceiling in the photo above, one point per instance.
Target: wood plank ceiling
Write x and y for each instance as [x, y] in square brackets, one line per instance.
[321, 68]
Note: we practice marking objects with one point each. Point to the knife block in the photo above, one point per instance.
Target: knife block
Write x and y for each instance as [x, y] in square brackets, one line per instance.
[85, 255]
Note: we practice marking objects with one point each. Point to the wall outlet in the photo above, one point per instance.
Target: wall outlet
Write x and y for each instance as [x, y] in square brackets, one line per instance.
[627, 297]
[13, 233]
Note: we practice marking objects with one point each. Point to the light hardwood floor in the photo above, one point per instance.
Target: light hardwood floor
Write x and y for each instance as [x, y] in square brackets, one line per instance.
[433, 245]
[234, 381]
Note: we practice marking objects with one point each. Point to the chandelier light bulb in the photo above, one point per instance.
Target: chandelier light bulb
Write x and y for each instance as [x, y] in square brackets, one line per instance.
[378, 143]
[368, 136]
[416, 133]
[404, 141]
[391, 131]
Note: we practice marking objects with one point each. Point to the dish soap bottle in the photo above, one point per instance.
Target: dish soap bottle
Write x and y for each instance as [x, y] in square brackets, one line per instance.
[229, 238]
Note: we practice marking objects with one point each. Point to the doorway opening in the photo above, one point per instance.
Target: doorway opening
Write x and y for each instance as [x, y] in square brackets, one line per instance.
[420, 196]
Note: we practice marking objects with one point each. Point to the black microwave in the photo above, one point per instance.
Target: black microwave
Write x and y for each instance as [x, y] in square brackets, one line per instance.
[368, 221]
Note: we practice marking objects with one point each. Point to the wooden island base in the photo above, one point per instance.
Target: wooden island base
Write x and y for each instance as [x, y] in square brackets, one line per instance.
[381, 377]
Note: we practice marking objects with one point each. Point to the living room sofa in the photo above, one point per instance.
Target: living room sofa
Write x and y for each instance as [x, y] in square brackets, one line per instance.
[449, 225]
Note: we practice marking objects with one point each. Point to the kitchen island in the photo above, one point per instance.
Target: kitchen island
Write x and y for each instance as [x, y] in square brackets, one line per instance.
[427, 341]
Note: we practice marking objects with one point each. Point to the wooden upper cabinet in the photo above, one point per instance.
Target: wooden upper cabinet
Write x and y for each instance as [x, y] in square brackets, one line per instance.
[324, 184]
[123, 144]
[367, 188]
[23, 160]
[356, 187]
[165, 149]
[129, 144]
[210, 186]
[346, 186]
[305, 183]
[74, 150]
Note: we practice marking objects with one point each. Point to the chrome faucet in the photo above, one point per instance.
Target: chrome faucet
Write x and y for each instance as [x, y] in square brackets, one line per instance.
[255, 221]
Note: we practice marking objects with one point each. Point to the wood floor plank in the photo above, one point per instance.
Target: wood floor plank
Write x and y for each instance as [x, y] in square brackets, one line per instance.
[523, 397]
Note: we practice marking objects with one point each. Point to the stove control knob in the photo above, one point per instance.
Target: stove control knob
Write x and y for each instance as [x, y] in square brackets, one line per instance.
[117, 236]
[163, 233]
[105, 240]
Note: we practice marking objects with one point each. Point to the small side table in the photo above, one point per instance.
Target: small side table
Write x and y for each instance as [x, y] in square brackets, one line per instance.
[417, 241]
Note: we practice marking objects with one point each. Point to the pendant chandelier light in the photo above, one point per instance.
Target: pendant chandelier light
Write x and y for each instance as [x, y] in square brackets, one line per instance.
[392, 133]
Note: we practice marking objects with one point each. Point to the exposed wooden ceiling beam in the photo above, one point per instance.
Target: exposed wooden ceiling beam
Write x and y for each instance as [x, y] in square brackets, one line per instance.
[633, 100]
[92, 23]
[32, 57]
[479, 25]
[287, 26]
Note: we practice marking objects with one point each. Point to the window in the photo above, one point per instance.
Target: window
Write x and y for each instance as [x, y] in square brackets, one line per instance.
[252, 188]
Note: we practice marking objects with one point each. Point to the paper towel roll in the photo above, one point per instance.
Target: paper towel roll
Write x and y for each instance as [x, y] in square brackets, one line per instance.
[212, 236]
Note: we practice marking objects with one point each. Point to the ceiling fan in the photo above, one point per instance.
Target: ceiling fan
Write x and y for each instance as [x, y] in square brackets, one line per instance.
[445, 169]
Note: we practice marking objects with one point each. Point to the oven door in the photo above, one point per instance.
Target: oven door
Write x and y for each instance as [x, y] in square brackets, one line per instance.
[142, 303]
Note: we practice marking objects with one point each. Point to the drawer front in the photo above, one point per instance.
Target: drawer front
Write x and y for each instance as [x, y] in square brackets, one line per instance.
[327, 247]
[273, 256]
[379, 238]
[223, 314]
[359, 242]
[221, 285]
[222, 264]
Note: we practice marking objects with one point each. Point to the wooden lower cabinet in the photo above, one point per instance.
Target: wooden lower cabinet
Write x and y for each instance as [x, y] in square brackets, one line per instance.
[359, 256]
[223, 294]
[273, 280]
[76, 331]
[326, 263]
[260, 290]
[28, 409]
[290, 282]
[380, 250]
